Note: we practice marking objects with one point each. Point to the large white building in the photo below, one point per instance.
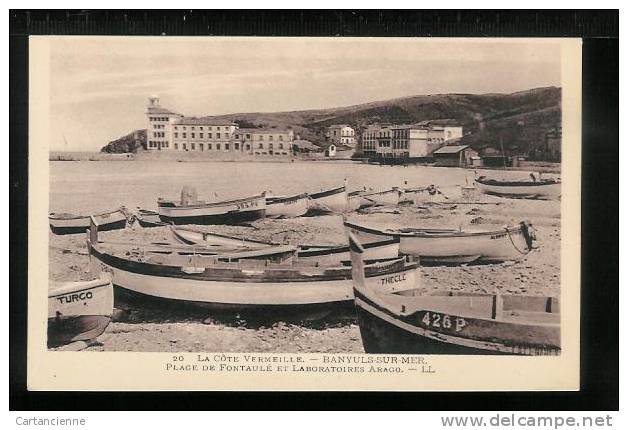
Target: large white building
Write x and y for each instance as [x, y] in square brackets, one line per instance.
[369, 139]
[341, 134]
[170, 131]
[202, 134]
[264, 141]
[406, 141]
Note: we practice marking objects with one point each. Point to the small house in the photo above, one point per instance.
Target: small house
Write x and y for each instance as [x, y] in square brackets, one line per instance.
[454, 156]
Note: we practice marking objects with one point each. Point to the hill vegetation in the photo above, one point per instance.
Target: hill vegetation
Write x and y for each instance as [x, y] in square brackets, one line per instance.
[132, 142]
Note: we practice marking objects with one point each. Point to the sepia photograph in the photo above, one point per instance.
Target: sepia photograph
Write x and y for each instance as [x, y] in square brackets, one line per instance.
[346, 204]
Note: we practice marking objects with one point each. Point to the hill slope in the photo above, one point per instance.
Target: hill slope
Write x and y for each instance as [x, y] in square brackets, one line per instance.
[519, 119]
[515, 121]
[132, 142]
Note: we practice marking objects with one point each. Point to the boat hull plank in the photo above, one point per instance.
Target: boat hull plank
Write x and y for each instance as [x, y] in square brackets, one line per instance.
[228, 218]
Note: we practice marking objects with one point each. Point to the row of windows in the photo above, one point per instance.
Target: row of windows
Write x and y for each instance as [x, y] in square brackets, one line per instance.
[176, 127]
[193, 146]
[219, 146]
[159, 134]
[401, 133]
[271, 138]
[158, 118]
[200, 135]
[201, 146]
[400, 144]
[159, 126]
[396, 155]
[157, 144]
[260, 137]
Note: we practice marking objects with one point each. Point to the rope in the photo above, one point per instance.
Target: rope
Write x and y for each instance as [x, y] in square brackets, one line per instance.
[513, 242]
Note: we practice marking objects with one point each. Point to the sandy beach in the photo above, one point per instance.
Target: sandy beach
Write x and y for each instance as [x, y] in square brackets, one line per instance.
[144, 329]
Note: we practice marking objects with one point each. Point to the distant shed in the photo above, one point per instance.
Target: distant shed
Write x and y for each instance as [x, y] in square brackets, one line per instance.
[454, 156]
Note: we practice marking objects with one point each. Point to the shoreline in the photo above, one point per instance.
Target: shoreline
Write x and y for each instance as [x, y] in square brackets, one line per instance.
[59, 156]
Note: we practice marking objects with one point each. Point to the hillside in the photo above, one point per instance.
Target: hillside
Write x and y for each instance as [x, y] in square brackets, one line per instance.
[519, 119]
[132, 142]
[515, 121]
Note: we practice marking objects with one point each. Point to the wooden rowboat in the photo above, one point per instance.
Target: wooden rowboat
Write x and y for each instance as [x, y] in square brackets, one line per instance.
[276, 253]
[79, 311]
[454, 246]
[320, 254]
[208, 282]
[408, 323]
[539, 189]
[287, 207]
[334, 200]
[65, 223]
[362, 199]
[192, 236]
[148, 219]
[224, 212]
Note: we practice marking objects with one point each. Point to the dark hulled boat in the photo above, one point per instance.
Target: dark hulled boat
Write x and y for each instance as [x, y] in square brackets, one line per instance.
[524, 189]
[469, 324]
[223, 212]
[66, 223]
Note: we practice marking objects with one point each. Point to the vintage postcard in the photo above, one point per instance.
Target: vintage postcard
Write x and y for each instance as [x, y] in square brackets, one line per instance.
[391, 214]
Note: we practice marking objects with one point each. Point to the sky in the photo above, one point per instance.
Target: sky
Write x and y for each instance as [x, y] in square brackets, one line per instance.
[99, 86]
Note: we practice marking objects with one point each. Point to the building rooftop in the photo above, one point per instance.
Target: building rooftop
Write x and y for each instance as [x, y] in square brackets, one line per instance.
[437, 122]
[264, 130]
[451, 149]
[339, 125]
[160, 110]
[192, 120]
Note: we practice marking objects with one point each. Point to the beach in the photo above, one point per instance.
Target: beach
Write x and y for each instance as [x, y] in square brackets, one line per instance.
[84, 187]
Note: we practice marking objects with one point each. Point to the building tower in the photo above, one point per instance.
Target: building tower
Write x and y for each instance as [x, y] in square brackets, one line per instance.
[159, 125]
[153, 101]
